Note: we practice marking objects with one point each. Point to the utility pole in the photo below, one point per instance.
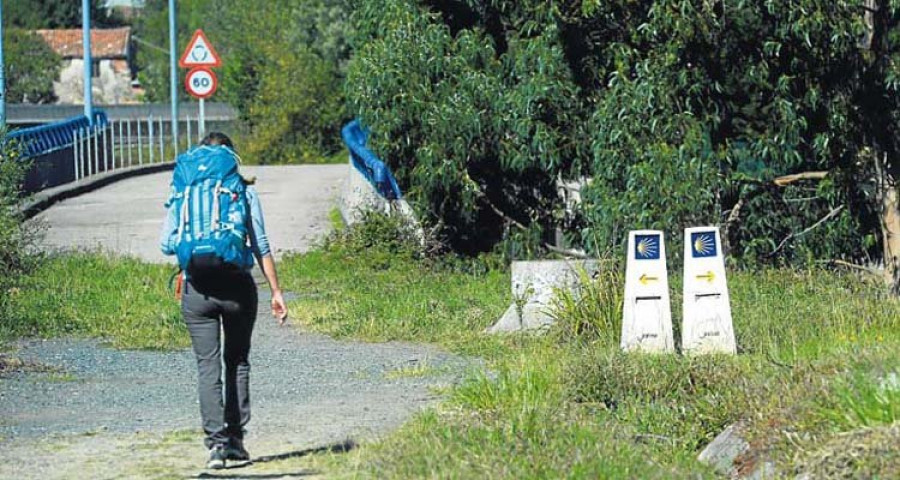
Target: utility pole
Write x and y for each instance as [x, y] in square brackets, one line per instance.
[173, 75]
[88, 61]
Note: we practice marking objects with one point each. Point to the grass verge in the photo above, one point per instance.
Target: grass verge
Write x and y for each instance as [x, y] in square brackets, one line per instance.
[122, 300]
[812, 381]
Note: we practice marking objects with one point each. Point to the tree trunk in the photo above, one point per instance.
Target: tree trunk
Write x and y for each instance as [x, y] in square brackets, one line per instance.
[887, 195]
[889, 203]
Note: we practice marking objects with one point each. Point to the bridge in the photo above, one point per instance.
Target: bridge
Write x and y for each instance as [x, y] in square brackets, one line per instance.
[125, 217]
[20, 115]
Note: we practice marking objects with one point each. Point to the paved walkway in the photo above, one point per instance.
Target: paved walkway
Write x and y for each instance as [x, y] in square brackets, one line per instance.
[125, 217]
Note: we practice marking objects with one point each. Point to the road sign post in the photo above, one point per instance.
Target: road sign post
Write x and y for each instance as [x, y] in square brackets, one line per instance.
[200, 82]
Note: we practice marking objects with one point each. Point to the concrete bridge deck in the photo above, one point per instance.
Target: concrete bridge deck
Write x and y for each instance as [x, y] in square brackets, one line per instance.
[125, 217]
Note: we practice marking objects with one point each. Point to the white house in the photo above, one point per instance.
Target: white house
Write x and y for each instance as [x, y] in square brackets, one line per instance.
[112, 67]
[127, 8]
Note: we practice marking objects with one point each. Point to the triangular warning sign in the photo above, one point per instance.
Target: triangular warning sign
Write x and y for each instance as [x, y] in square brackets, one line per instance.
[199, 53]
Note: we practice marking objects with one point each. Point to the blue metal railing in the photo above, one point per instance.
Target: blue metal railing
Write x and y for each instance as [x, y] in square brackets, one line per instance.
[367, 163]
[46, 138]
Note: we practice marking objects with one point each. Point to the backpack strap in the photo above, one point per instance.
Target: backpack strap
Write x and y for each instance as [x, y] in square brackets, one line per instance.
[184, 212]
[216, 214]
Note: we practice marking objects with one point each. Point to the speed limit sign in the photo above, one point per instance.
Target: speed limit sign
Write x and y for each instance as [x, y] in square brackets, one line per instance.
[201, 82]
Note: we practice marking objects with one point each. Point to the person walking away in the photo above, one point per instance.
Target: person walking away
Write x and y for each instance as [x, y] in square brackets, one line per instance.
[215, 227]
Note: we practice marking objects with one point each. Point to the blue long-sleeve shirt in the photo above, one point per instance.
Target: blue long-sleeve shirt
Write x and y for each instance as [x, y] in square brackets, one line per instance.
[259, 242]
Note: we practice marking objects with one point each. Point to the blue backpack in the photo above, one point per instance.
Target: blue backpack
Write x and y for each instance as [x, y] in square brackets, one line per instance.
[210, 198]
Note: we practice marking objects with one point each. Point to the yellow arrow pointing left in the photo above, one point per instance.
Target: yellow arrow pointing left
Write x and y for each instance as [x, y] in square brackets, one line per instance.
[645, 279]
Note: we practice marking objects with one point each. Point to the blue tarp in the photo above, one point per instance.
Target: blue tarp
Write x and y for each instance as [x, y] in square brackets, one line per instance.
[53, 136]
[367, 163]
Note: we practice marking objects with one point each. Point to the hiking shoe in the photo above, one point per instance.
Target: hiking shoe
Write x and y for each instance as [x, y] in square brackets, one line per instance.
[216, 457]
[234, 450]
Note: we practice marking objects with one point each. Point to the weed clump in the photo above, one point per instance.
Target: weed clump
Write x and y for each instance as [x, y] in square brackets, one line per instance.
[592, 312]
[864, 453]
[377, 232]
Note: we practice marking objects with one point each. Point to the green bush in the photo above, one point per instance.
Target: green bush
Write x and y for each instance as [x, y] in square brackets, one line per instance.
[17, 240]
[375, 231]
[31, 67]
[672, 113]
[474, 134]
[283, 65]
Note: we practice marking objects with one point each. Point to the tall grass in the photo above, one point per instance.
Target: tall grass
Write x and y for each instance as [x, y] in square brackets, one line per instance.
[814, 351]
[372, 282]
[121, 300]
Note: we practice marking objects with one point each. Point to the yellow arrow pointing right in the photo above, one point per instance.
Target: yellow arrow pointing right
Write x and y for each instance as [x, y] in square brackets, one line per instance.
[709, 276]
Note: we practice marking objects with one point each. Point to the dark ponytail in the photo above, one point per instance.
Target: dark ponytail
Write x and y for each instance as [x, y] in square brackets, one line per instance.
[217, 138]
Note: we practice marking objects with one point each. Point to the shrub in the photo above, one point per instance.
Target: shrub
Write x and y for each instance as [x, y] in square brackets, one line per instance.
[377, 232]
[17, 239]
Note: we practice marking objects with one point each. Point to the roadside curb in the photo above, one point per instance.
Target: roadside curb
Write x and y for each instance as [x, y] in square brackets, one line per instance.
[45, 198]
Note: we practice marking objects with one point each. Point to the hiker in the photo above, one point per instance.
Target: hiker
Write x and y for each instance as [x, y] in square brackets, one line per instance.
[215, 227]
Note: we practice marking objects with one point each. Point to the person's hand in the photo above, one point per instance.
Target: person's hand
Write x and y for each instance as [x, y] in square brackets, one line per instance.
[279, 309]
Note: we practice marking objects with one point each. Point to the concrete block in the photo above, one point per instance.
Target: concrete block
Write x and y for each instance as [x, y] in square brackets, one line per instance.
[534, 285]
[724, 449]
[358, 196]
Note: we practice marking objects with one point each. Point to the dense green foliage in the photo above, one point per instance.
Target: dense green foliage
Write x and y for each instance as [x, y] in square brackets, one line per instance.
[475, 134]
[34, 14]
[678, 112]
[28, 59]
[283, 65]
[16, 239]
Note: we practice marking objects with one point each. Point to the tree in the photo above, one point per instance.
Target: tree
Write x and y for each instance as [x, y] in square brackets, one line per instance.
[285, 82]
[474, 128]
[35, 14]
[774, 120]
[28, 61]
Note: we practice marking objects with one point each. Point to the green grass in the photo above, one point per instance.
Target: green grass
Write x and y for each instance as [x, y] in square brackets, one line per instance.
[383, 297]
[121, 300]
[815, 349]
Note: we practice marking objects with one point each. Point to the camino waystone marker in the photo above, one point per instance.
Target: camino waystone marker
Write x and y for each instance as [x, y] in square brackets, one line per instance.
[647, 314]
[707, 326]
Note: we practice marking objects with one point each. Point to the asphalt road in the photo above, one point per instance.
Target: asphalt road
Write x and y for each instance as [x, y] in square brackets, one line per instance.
[125, 217]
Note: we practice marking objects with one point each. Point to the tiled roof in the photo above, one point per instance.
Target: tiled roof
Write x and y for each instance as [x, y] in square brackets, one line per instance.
[105, 43]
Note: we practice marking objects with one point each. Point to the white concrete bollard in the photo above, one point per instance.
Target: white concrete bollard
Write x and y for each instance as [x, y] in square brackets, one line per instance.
[707, 326]
[358, 196]
[533, 286]
[647, 312]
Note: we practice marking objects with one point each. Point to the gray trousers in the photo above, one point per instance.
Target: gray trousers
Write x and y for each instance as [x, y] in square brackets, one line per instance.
[231, 303]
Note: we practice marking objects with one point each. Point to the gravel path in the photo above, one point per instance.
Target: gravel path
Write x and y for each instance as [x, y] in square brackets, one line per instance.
[104, 413]
[308, 392]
